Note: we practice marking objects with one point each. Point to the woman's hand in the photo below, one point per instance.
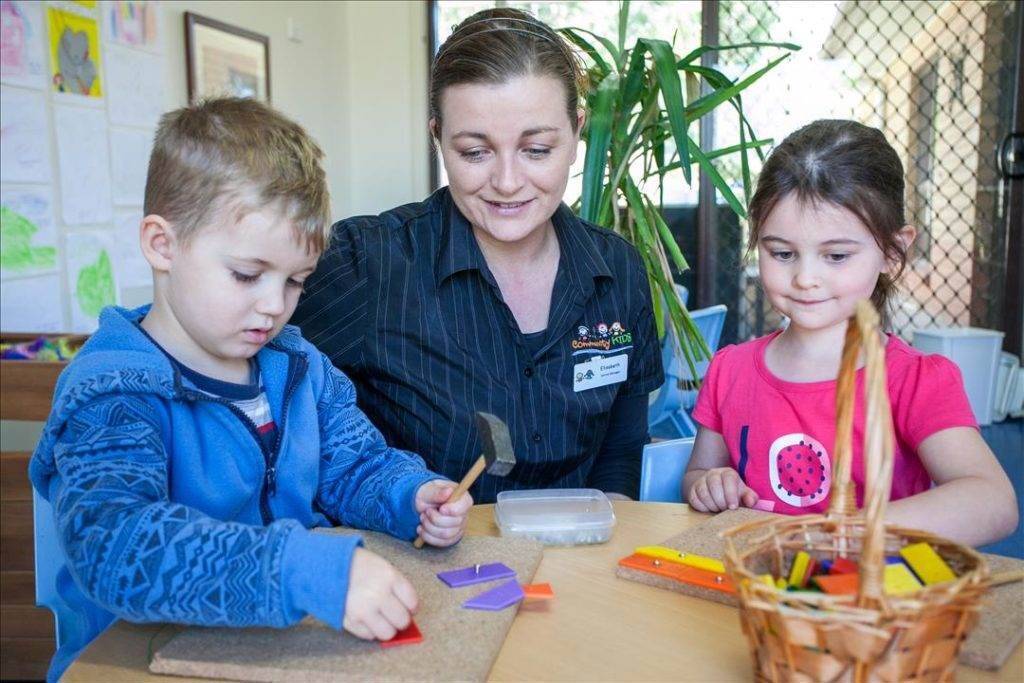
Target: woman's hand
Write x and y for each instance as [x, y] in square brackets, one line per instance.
[441, 523]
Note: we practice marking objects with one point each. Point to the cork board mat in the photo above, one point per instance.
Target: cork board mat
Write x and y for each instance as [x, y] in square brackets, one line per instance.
[458, 644]
[996, 635]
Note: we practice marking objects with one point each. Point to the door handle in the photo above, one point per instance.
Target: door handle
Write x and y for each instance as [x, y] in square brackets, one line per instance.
[1010, 156]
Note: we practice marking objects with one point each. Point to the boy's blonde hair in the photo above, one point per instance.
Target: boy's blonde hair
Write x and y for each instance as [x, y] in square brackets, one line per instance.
[238, 153]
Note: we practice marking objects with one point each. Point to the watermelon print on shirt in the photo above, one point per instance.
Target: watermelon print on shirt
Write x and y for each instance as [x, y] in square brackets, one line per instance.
[781, 435]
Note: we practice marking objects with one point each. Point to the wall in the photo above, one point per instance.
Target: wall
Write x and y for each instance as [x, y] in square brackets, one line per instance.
[356, 80]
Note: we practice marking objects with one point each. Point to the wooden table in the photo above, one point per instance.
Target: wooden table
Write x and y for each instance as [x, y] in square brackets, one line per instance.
[598, 627]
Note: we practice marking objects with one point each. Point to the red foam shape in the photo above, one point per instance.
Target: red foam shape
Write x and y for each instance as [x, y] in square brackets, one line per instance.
[407, 636]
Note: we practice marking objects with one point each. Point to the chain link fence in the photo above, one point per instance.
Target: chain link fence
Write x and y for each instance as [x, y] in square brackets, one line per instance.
[937, 78]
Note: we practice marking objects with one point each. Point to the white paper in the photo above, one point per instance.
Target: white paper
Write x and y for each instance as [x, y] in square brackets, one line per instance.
[32, 304]
[132, 22]
[129, 157]
[84, 163]
[131, 268]
[135, 87]
[24, 139]
[22, 59]
[91, 279]
[28, 238]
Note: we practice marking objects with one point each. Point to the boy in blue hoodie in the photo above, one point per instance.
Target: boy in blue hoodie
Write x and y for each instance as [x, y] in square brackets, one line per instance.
[194, 443]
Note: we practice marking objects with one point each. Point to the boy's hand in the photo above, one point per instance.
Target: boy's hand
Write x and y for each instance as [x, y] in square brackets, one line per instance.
[380, 601]
[720, 489]
[441, 523]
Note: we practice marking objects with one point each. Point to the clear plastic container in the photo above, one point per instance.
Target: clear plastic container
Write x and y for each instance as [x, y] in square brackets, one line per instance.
[556, 516]
[976, 352]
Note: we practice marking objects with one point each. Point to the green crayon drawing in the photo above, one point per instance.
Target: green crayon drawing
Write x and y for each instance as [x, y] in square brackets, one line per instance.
[95, 288]
[16, 250]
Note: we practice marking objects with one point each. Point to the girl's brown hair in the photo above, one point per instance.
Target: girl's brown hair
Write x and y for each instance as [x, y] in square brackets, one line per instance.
[499, 44]
[847, 164]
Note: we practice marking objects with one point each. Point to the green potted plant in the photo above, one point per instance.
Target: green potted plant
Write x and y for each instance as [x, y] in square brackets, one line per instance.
[642, 101]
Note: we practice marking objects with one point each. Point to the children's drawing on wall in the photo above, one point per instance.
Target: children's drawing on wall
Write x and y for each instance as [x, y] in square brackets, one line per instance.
[132, 23]
[24, 142]
[84, 161]
[131, 267]
[32, 304]
[22, 61]
[135, 87]
[129, 161]
[74, 53]
[28, 239]
[90, 277]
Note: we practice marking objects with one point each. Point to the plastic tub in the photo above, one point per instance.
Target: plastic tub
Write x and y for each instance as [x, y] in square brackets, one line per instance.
[976, 352]
[556, 516]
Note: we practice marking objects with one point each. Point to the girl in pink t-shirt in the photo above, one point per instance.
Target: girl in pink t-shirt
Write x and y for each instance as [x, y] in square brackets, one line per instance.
[828, 224]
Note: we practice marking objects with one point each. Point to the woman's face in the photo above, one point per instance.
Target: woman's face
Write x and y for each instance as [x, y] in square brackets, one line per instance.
[507, 149]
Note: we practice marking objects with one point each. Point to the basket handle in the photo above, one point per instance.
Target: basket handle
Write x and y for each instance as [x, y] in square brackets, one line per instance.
[862, 332]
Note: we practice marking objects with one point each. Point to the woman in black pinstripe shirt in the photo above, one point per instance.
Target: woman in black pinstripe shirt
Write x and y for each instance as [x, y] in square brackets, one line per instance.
[491, 295]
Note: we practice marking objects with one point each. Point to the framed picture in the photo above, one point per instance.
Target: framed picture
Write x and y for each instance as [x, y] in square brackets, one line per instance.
[225, 60]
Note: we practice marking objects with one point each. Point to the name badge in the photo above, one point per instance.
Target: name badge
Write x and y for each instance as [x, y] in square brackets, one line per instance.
[600, 371]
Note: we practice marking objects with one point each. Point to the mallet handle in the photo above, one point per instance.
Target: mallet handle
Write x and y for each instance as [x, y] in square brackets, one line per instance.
[475, 471]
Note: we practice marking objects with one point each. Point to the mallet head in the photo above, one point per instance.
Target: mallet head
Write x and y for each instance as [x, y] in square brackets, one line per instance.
[497, 444]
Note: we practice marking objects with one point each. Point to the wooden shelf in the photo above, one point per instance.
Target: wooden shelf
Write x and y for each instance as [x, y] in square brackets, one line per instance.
[26, 386]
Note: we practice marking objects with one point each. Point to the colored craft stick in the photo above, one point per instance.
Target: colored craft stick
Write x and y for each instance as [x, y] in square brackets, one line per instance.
[812, 566]
[780, 583]
[680, 572]
[799, 569]
[838, 584]
[497, 598]
[826, 566]
[538, 591]
[467, 576]
[407, 636]
[690, 559]
[926, 563]
[843, 565]
[899, 580]
[767, 580]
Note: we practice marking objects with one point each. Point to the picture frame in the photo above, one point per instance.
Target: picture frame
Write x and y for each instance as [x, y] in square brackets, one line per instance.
[225, 60]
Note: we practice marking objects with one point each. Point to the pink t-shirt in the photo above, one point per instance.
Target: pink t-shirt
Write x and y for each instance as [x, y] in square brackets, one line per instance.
[780, 434]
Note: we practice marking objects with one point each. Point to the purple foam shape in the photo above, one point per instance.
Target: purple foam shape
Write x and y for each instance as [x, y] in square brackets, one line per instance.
[498, 598]
[467, 576]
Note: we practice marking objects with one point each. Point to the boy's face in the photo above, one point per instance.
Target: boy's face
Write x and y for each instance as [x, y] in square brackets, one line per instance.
[236, 283]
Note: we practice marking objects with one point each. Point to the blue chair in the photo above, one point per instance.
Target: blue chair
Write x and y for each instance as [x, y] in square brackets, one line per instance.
[661, 474]
[75, 625]
[668, 415]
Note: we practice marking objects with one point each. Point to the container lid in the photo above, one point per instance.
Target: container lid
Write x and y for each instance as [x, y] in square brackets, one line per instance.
[553, 509]
[958, 332]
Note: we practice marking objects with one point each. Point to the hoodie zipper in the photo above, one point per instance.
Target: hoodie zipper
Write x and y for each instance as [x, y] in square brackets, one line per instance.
[296, 367]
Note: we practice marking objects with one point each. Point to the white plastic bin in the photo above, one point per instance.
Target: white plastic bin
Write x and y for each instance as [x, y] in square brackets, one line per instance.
[976, 352]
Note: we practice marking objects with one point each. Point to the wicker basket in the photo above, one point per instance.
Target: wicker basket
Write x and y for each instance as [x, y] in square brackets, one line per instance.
[870, 636]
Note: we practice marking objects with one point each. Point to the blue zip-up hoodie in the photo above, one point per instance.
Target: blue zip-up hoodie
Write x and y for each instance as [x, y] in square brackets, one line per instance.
[169, 508]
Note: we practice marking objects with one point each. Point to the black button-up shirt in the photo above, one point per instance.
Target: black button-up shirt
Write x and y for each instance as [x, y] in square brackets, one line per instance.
[405, 305]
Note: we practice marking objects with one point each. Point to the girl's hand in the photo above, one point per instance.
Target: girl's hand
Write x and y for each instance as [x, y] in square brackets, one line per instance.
[441, 523]
[720, 489]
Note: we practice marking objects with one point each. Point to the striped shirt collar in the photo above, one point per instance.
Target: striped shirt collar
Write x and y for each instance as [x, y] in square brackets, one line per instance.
[459, 249]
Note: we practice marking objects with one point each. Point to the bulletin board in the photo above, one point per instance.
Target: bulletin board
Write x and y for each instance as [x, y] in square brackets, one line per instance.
[82, 87]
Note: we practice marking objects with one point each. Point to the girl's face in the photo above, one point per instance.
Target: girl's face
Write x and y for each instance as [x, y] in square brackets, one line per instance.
[507, 149]
[817, 261]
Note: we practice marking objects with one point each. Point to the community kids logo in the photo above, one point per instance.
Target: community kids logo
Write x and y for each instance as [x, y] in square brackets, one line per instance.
[601, 337]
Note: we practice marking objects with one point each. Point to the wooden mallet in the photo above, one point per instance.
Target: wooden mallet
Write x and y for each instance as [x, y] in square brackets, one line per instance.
[498, 457]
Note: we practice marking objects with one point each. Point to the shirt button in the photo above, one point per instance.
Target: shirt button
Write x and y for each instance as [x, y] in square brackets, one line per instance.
[528, 371]
[536, 437]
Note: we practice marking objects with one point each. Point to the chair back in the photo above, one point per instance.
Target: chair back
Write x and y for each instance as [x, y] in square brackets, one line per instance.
[661, 474]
